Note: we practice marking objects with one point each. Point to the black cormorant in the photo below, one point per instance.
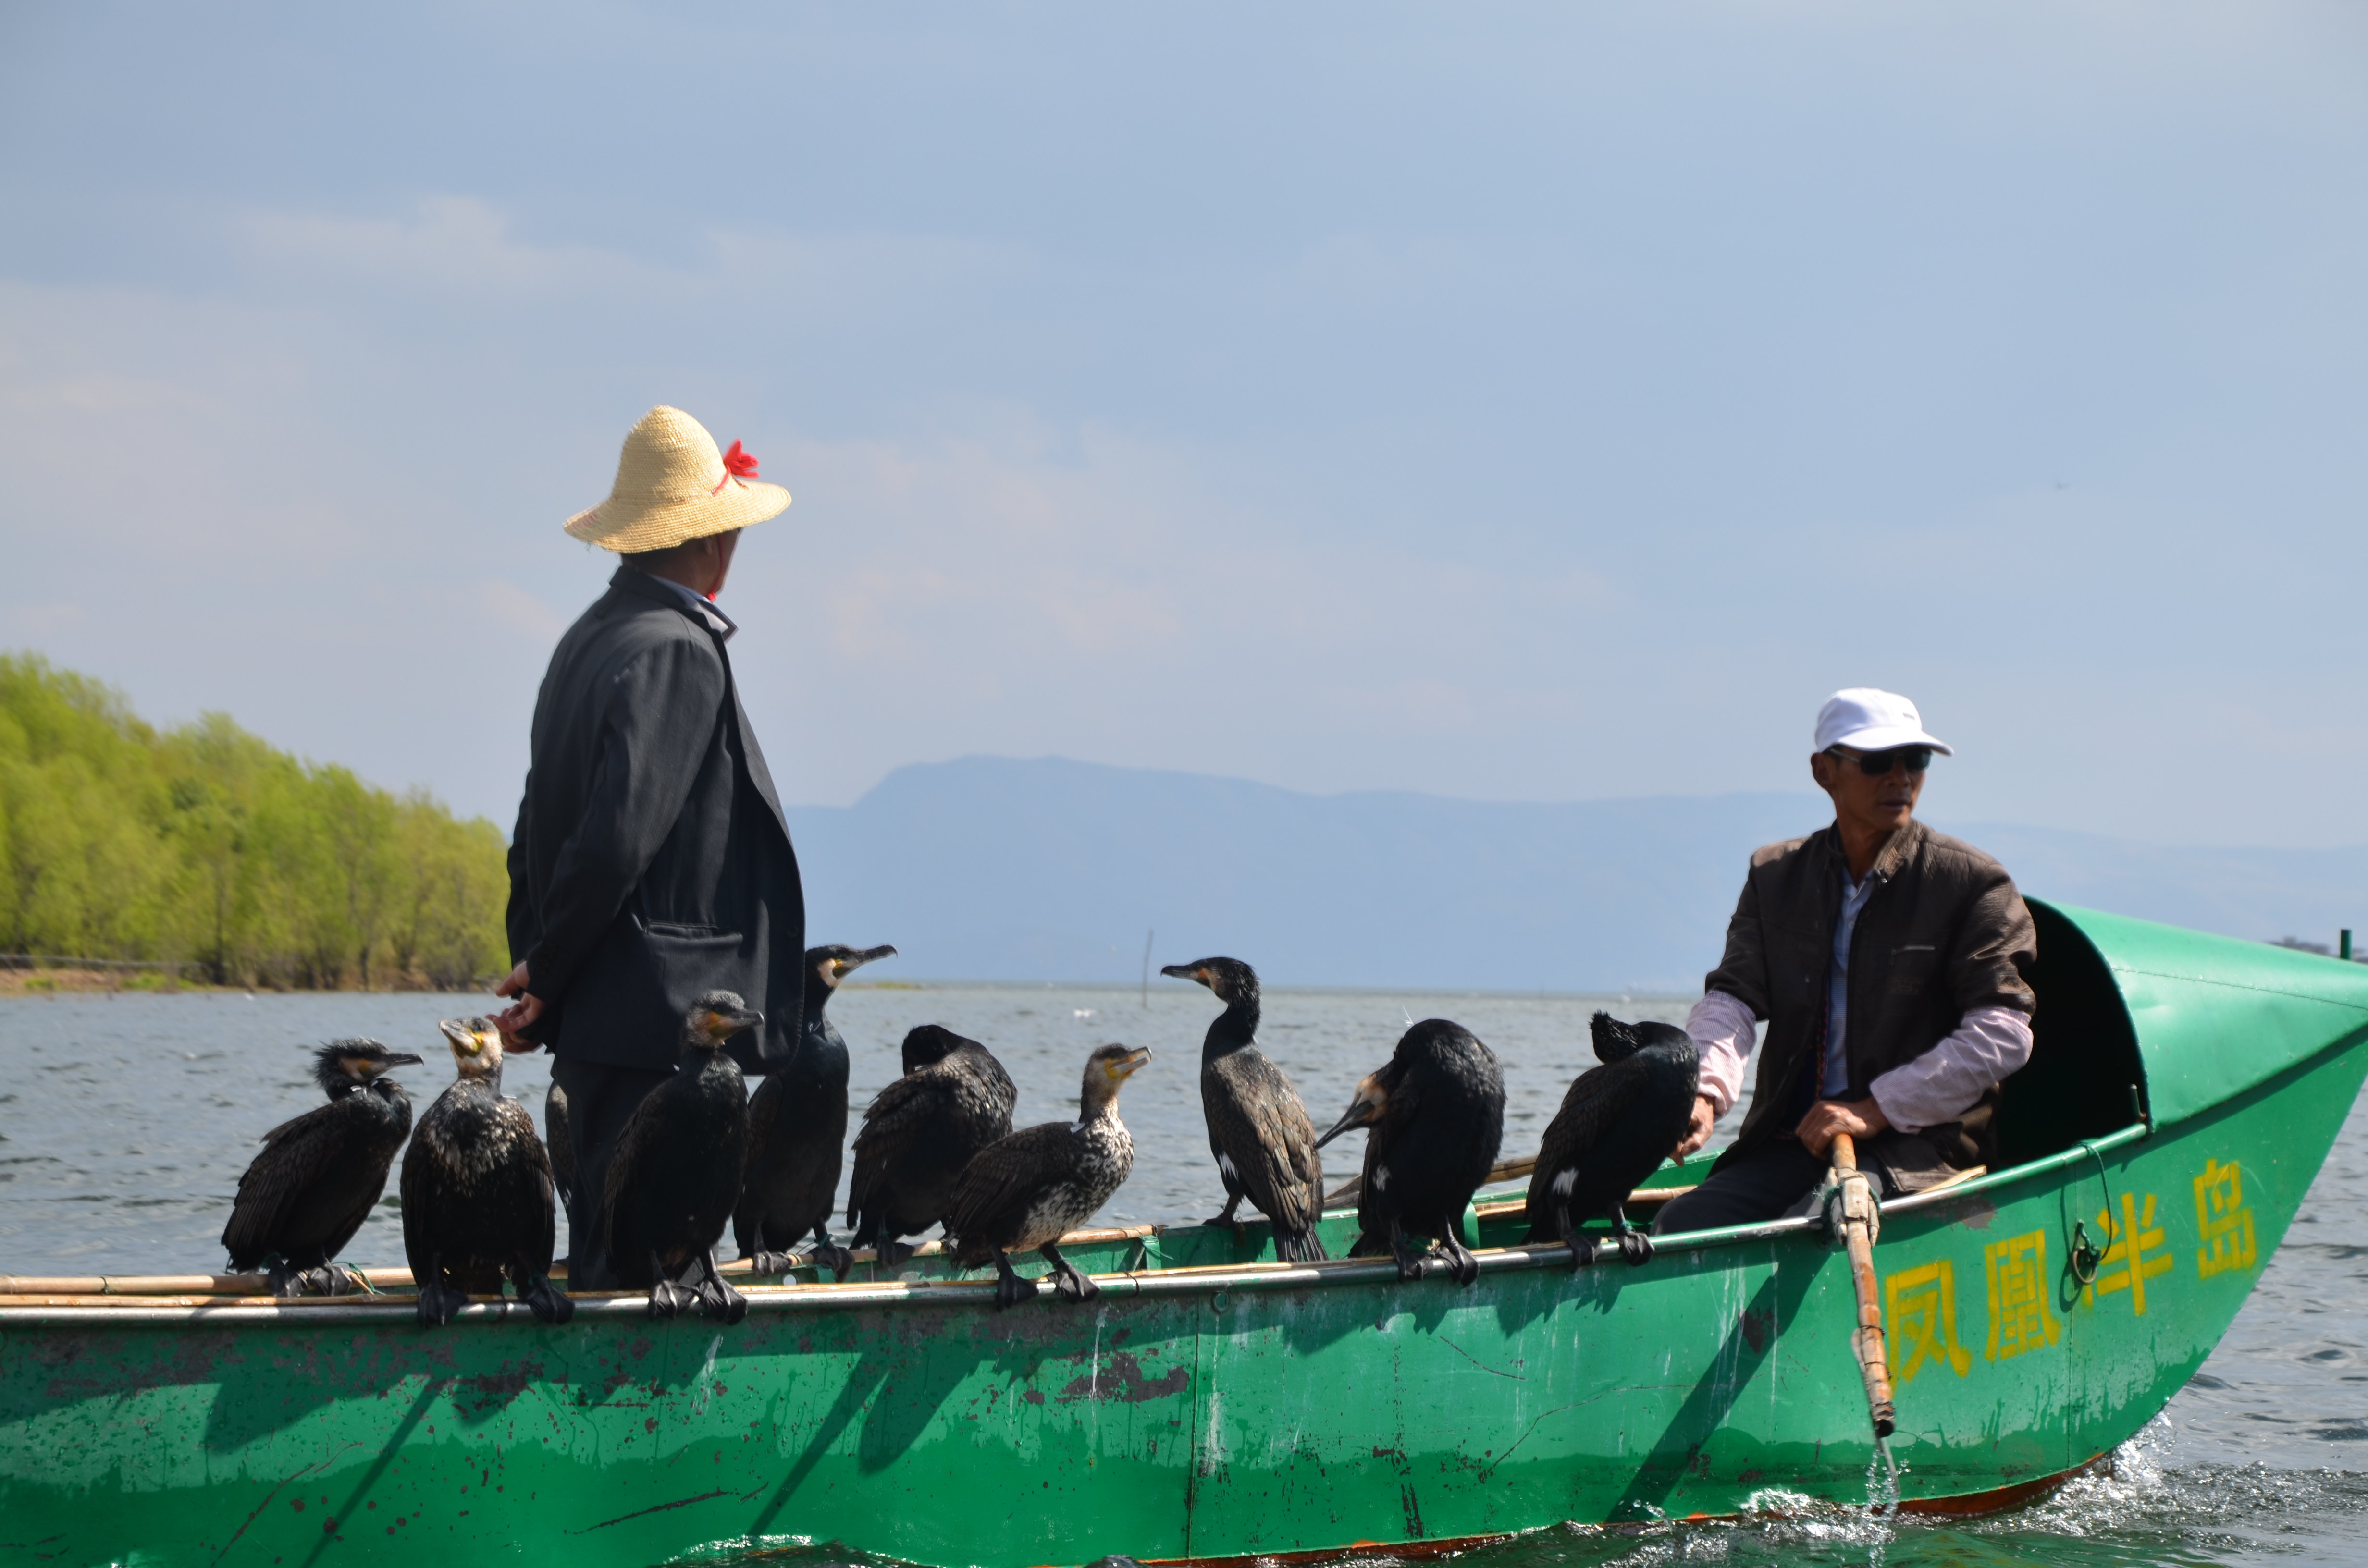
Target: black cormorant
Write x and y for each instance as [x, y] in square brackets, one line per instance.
[477, 1189]
[558, 1141]
[1257, 1125]
[1032, 1188]
[953, 1100]
[797, 1129]
[1437, 1111]
[1617, 1123]
[676, 1175]
[311, 1188]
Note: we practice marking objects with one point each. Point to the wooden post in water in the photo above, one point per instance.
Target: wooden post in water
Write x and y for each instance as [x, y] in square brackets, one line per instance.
[1873, 1364]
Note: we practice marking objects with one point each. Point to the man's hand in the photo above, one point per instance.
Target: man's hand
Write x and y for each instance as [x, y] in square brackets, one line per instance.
[1698, 1129]
[519, 1014]
[1860, 1119]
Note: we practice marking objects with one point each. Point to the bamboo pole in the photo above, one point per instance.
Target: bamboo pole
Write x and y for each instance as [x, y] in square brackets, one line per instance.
[1873, 1365]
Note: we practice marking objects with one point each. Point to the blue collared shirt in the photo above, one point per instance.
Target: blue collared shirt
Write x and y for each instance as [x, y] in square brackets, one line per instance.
[1837, 1075]
[701, 607]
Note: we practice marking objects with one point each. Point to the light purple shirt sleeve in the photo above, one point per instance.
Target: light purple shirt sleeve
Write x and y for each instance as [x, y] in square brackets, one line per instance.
[1723, 1033]
[1942, 1083]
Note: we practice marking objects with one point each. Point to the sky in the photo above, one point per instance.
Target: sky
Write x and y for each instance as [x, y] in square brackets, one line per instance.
[1528, 402]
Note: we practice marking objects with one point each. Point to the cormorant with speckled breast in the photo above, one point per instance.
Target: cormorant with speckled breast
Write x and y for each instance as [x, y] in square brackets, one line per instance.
[797, 1131]
[676, 1175]
[1034, 1187]
[1257, 1125]
[1437, 1111]
[477, 1190]
[953, 1100]
[311, 1188]
[1617, 1123]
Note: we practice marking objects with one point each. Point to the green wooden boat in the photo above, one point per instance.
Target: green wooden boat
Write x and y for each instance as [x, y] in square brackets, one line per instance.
[1215, 1404]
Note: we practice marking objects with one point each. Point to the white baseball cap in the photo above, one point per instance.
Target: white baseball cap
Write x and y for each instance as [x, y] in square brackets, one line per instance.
[1866, 719]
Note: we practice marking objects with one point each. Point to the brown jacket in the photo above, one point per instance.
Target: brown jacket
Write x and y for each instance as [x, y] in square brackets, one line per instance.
[1942, 932]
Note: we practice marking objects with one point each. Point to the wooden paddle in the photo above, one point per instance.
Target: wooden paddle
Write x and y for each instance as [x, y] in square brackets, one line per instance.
[1873, 1365]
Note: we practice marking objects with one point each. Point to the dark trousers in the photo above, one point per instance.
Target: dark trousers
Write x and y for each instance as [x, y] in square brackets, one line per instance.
[600, 1099]
[1779, 1178]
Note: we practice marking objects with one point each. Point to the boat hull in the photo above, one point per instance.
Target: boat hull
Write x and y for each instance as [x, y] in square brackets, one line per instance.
[1187, 1413]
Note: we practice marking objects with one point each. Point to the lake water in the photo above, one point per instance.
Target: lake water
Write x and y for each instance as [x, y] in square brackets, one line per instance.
[125, 1121]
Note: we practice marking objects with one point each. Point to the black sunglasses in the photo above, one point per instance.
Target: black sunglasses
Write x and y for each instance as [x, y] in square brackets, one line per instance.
[1876, 764]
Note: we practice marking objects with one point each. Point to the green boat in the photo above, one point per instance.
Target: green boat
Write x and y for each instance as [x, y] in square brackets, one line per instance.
[1213, 1403]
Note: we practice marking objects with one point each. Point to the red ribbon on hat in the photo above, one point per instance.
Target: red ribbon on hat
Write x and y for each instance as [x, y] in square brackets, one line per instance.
[737, 465]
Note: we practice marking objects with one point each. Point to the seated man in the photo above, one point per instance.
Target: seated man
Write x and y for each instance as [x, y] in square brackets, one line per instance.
[1889, 962]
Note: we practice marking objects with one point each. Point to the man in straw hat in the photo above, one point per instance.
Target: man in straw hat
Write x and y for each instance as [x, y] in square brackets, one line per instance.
[652, 861]
[1892, 964]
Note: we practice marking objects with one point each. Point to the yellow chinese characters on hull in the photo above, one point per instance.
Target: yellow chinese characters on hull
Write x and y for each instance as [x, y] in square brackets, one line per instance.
[2019, 1318]
[2223, 1221]
[1921, 1304]
[2137, 1252]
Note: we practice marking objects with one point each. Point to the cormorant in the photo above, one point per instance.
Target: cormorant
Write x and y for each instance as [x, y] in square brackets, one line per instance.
[676, 1175]
[1436, 1110]
[1257, 1125]
[1032, 1188]
[311, 1188]
[797, 1127]
[953, 1100]
[558, 1141]
[477, 1189]
[1617, 1123]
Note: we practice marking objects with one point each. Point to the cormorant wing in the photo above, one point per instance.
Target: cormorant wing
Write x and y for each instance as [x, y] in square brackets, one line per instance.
[1003, 1180]
[898, 1115]
[294, 1154]
[1593, 1104]
[537, 1161]
[1258, 1122]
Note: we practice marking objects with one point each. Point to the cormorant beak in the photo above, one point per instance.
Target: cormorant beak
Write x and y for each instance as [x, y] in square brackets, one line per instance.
[841, 968]
[1363, 1111]
[393, 1060]
[723, 1023]
[1123, 1067]
[468, 1041]
[1187, 971]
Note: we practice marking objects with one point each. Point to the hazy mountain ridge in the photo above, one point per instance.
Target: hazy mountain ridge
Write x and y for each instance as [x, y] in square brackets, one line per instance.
[1046, 869]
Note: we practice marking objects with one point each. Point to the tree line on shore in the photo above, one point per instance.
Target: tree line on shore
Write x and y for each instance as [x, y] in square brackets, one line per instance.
[205, 846]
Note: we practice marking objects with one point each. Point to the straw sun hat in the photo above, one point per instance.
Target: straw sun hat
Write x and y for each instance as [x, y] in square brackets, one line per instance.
[672, 485]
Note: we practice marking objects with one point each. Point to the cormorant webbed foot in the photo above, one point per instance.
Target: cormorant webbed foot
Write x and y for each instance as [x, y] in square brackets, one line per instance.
[1076, 1287]
[548, 1303]
[1009, 1288]
[1636, 1247]
[1582, 1250]
[893, 1255]
[668, 1298]
[1462, 1265]
[285, 1281]
[829, 1255]
[764, 1263]
[1409, 1261]
[715, 1295]
[438, 1302]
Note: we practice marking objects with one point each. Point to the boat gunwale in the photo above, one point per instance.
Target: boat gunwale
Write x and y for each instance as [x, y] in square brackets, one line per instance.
[1188, 1281]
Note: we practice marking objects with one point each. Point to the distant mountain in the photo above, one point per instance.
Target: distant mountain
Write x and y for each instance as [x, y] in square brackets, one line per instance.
[1002, 869]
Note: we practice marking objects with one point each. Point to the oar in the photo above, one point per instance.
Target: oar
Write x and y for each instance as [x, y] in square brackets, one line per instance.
[1873, 1366]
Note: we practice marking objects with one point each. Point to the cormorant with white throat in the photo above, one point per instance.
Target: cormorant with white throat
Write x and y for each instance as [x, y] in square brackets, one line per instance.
[1258, 1130]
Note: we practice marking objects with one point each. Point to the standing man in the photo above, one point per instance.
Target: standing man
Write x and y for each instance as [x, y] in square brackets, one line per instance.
[1891, 964]
[652, 861]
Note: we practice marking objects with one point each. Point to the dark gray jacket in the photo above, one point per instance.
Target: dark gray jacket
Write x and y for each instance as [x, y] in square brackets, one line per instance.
[1943, 932]
[650, 861]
